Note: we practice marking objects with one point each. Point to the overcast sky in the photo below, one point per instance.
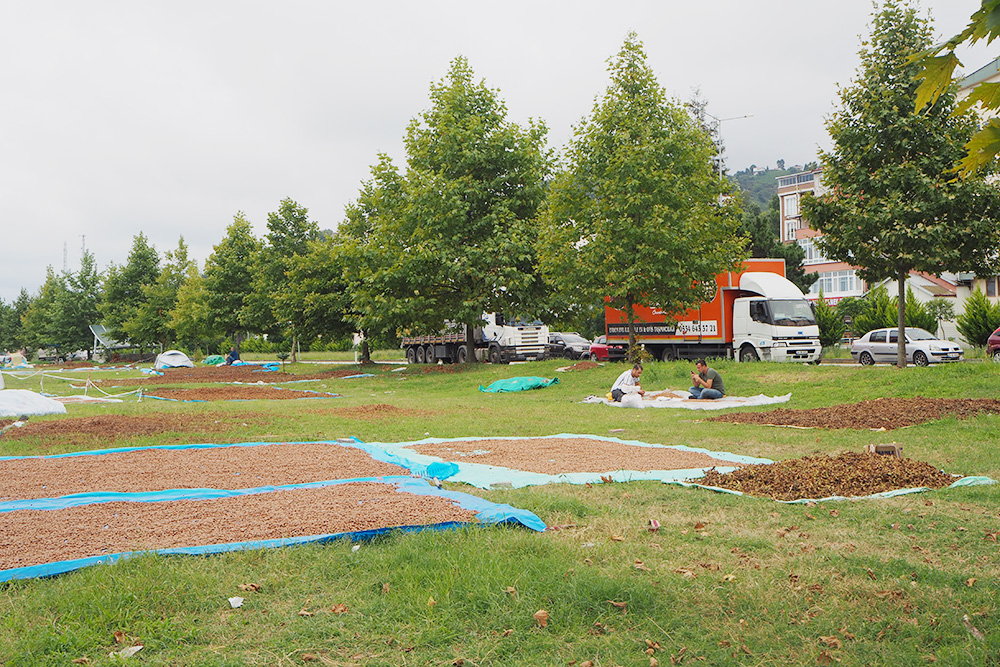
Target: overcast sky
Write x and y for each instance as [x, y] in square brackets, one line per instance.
[170, 117]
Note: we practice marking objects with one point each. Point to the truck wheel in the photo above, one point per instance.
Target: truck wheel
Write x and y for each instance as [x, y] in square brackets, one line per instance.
[495, 355]
[668, 355]
[420, 355]
[411, 355]
[462, 355]
[748, 353]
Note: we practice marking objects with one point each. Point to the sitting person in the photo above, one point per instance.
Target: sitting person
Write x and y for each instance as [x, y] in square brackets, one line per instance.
[707, 382]
[232, 356]
[627, 383]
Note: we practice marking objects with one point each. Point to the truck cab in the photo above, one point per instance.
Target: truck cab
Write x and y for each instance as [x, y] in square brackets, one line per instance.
[775, 322]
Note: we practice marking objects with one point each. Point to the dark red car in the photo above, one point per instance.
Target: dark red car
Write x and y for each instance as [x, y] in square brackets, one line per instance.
[992, 346]
[601, 351]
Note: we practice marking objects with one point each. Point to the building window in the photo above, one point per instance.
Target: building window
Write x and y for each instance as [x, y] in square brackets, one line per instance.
[991, 285]
[791, 205]
[836, 282]
[790, 227]
[813, 254]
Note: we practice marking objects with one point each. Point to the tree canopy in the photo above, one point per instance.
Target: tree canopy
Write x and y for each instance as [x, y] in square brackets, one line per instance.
[452, 237]
[637, 214]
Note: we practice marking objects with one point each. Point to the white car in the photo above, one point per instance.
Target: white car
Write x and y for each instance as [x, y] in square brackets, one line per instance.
[922, 348]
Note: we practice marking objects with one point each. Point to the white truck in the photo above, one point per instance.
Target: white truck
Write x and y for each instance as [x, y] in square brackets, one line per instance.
[496, 340]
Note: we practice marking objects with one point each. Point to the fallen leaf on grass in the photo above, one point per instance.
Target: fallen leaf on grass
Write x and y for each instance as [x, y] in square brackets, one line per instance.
[617, 538]
[690, 574]
[385, 588]
[607, 480]
[120, 637]
[81, 661]
[619, 605]
[639, 565]
[587, 663]
[971, 581]
[249, 587]
[826, 658]
[653, 662]
[699, 526]
[507, 633]
[305, 612]
[653, 645]
[339, 608]
[431, 602]
[126, 652]
[510, 590]
[871, 575]
[542, 617]
[309, 657]
[830, 640]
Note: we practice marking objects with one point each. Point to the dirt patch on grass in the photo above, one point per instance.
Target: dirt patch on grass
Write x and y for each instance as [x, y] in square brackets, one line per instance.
[848, 474]
[374, 411]
[107, 429]
[881, 413]
[582, 366]
[554, 456]
[236, 393]
[33, 537]
[152, 469]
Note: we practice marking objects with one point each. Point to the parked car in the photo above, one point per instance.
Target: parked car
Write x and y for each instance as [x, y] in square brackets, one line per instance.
[993, 346]
[601, 351]
[569, 345]
[922, 347]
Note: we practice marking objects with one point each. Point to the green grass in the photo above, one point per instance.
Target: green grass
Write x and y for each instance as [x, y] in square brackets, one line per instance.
[734, 581]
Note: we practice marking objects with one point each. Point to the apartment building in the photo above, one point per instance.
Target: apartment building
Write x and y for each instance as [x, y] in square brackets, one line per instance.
[835, 279]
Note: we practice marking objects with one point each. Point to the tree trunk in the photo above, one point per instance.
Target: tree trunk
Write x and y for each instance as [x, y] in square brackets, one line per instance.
[633, 353]
[470, 345]
[295, 357]
[901, 320]
[366, 353]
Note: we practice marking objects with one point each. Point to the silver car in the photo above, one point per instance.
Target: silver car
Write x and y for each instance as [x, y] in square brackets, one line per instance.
[922, 348]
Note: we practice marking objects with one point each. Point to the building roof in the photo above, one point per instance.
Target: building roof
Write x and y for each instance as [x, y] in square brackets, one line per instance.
[980, 75]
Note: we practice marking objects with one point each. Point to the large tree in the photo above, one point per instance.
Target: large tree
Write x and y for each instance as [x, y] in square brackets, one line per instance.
[76, 307]
[893, 205]
[289, 232]
[37, 322]
[454, 236]
[123, 285]
[229, 274]
[638, 215]
[151, 324]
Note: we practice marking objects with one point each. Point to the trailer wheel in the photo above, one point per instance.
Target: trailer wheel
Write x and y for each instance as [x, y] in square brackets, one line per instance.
[411, 355]
[668, 355]
[495, 355]
[420, 355]
[462, 354]
[748, 353]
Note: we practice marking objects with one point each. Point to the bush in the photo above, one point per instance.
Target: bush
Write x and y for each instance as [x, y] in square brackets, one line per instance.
[980, 319]
[831, 323]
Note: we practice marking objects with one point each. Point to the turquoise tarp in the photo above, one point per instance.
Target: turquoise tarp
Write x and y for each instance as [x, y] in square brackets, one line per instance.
[518, 384]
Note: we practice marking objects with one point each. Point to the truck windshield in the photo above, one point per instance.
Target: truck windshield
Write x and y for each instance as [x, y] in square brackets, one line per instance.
[792, 312]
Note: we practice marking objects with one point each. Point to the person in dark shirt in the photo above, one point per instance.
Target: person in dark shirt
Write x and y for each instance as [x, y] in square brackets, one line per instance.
[232, 356]
[707, 382]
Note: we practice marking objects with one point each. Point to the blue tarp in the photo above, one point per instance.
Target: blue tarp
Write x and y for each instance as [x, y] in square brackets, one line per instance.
[486, 512]
[518, 384]
[487, 476]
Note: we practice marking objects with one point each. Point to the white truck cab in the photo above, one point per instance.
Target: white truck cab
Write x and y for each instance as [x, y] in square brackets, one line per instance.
[775, 323]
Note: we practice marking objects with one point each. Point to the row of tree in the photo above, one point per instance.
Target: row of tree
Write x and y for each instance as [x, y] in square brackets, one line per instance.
[482, 218]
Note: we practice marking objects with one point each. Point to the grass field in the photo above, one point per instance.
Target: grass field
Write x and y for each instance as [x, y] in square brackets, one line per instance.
[725, 580]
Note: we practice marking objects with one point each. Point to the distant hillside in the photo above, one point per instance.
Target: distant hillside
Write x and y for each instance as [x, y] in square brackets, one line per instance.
[759, 185]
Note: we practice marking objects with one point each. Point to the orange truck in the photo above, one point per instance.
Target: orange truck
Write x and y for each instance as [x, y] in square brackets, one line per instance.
[757, 314]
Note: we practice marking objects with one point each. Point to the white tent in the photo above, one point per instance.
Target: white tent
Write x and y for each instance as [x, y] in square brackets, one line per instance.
[172, 359]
